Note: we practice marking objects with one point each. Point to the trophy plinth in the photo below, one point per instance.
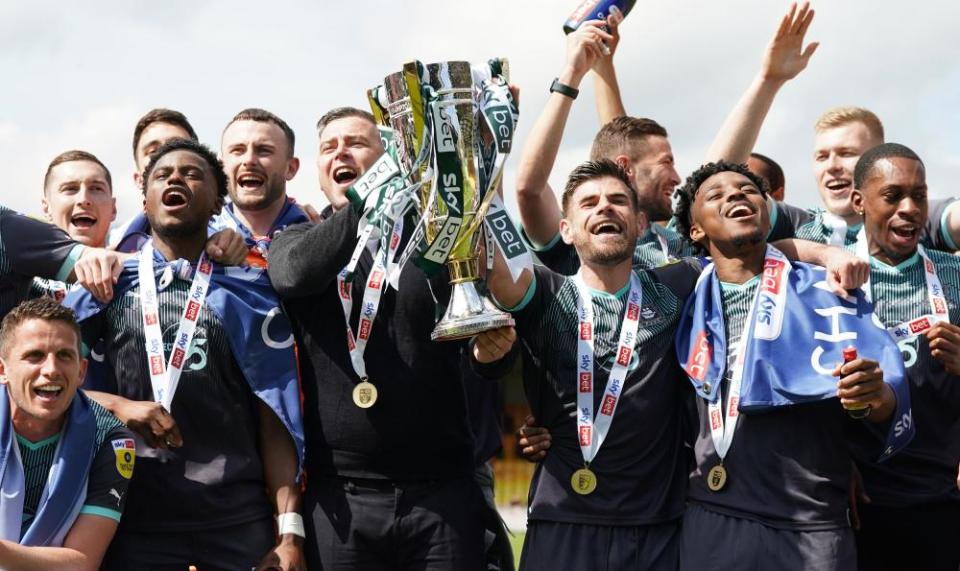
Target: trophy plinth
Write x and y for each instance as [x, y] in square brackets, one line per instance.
[468, 312]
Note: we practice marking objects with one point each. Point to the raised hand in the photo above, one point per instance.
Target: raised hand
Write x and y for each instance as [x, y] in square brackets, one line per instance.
[944, 339]
[585, 47]
[534, 440]
[785, 56]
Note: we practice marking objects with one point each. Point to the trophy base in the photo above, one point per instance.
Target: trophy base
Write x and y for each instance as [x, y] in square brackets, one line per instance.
[469, 313]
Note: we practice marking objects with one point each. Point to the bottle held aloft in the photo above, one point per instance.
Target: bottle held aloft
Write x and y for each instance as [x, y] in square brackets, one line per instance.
[595, 10]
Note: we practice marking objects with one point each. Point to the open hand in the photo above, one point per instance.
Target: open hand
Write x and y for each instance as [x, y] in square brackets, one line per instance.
[785, 56]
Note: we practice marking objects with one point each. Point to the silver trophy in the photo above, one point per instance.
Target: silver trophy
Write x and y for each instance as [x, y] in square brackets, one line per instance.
[439, 127]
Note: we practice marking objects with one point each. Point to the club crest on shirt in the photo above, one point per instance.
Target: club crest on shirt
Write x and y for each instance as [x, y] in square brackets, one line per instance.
[125, 451]
[647, 313]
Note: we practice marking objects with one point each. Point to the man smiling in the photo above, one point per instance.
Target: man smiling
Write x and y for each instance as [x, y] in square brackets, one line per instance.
[914, 500]
[222, 445]
[63, 518]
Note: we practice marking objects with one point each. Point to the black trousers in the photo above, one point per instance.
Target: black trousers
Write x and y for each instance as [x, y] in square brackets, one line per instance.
[925, 537]
[382, 525]
[230, 548]
[552, 545]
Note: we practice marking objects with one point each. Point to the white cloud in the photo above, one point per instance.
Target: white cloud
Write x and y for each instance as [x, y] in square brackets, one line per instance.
[80, 74]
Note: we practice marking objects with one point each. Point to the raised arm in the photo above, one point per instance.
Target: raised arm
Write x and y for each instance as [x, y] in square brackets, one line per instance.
[605, 85]
[539, 211]
[305, 258]
[785, 57]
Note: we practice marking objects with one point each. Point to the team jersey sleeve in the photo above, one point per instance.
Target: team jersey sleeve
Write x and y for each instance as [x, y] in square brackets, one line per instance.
[681, 277]
[110, 475]
[785, 220]
[528, 314]
[937, 228]
[34, 248]
[557, 255]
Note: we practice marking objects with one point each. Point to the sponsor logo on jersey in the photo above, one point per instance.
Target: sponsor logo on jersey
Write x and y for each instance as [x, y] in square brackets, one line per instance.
[125, 451]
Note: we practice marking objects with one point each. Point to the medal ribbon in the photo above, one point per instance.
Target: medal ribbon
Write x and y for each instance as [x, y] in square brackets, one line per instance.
[373, 291]
[592, 431]
[938, 303]
[164, 377]
[662, 241]
[723, 420]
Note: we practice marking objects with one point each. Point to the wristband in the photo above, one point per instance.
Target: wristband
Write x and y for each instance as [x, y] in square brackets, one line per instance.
[563, 89]
[290, 523]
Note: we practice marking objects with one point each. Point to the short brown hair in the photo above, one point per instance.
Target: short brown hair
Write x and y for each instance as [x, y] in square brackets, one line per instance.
[73, 156]
[840, 116]
[38, 308]
[624, 135]
[264, 116]
[342, 113]
[161, 115]
[592, 170]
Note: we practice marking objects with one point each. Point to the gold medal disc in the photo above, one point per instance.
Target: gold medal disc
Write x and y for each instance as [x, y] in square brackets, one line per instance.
[583, 481]
[717, 478]
[364, 394]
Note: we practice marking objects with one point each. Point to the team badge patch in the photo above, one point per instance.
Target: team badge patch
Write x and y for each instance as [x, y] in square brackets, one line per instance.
[126, 453]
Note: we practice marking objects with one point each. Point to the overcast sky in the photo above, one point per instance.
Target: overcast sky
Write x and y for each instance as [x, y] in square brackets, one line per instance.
[80, 74]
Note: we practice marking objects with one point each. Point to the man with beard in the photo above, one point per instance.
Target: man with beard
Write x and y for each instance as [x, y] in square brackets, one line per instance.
[765, 492]
[913, 513]
[639, 146]
[66, 461]
[228, 428]
[257, 150]
[616, 473]
[605, 482]
[843, 134]
[378, 495]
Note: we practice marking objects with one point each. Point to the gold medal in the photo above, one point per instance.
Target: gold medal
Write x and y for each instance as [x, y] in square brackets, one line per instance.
[583, 481]
[717, 478]
[364, 394]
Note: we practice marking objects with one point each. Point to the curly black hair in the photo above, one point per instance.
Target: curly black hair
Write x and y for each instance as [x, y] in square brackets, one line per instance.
[203, 151]
[687, 192]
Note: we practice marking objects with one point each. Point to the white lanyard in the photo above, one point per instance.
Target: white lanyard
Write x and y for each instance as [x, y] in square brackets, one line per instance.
[372, 293]
[838, 229]
[723, 422]
[662, 241]
[164, 377]
[938, 303]
[592, 432]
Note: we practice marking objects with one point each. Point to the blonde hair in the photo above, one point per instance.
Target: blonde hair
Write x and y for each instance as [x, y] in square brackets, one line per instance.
[840, 116]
